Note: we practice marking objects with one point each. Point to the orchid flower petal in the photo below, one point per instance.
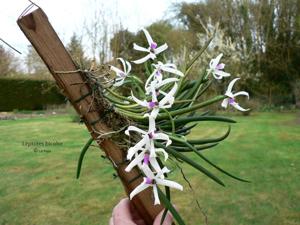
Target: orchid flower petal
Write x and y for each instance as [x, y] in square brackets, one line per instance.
[230, 86]
[172, 65]
[156, 197]
[164, 152]
[138, 158]
[139, 48]
[152, 149]
[138, 146]
[152, 126]
[149, 79]
[138, 101]
[214, 62]
[238, 107]
[141, 187]
[154, 112]
[221, 74]
[225, 103]
[169, 183]
[147, 171]
[160, 49]
[123, 64]
[169, 98]
[116, 70]
[153, 92]
[148, 36]
[160, 174]
[157, 84]
[172, 70]
[216, 76]
[136, 129]
[241, 93]
[164, 137]
[118, 83]
[128, 67]
[154, 164]
[166, 81]
[144, 59]
[220, 66]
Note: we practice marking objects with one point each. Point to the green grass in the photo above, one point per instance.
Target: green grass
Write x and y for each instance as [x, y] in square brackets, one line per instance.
[40, 187]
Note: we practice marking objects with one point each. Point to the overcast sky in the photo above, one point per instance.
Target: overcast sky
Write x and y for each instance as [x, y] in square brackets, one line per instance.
[68, 16]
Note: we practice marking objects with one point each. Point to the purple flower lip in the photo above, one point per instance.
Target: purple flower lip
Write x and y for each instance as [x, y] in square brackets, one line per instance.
[150, 135]
[220, 66]
[149, 180]
[146, 159]
[152, 104]
[158, 73]
[153, 45]
[122, 74]
[231, 101]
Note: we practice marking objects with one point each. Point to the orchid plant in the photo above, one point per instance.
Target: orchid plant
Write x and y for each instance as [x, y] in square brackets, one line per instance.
[161, 109]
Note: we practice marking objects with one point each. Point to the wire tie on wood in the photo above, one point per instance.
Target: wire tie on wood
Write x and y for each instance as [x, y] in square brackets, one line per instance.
[83, 97]
[135, 178]
[111, 132]
[109, 110]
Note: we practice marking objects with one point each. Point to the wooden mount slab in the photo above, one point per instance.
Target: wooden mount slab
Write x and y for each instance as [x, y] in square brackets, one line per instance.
[46, 42]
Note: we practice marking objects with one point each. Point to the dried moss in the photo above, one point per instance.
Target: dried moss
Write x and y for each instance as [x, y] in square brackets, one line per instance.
[108, 115]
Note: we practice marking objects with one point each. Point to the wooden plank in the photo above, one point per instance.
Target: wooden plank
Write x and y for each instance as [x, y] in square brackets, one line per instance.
[44, 39]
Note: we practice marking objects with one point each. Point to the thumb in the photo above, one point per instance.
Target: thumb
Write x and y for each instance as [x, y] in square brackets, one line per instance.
[168, 219]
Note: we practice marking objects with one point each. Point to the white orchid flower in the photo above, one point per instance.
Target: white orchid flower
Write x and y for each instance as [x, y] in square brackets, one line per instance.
[152, 180]
[148, 138]
[152, 50]
[216, 68]
[157, 73]
[121, 74]
[231, 97]
[154, 105]
[143, 158]
[157, 84]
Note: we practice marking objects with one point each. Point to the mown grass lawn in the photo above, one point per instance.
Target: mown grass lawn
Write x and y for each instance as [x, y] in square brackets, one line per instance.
[39, 188]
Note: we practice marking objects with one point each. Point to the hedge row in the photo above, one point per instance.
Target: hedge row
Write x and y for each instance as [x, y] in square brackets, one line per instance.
[24, 94]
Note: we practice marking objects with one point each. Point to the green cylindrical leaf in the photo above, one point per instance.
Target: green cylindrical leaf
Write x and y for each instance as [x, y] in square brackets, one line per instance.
[81, 156]
[170, 207]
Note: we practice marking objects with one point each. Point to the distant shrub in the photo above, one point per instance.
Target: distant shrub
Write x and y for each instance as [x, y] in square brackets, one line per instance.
[24, 94]
[72, 113]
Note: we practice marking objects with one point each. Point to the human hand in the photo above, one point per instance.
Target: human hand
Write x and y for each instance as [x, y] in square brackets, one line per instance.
[125, 214]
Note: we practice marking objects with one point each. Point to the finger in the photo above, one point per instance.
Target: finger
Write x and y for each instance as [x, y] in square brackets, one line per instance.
[168, 219]
[139, 222]
[121, 213]
[135, 215]
[111, 222]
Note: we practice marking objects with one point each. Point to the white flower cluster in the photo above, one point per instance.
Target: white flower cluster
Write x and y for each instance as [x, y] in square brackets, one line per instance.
[144, 153]
[216, 69]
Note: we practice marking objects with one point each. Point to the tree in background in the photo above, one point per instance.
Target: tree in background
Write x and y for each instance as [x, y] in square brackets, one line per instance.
[8, 63]
[121, 44]
[99, 29]
[35, 66]
[76, 50]
[278, 55]
[266, 30]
